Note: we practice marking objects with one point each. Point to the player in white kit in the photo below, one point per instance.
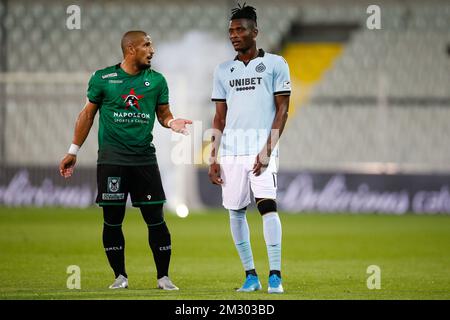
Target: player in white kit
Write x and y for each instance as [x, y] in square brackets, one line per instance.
[251, 94]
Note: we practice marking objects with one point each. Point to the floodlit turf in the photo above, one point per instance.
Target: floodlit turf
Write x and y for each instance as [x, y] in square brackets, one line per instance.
[324, 256]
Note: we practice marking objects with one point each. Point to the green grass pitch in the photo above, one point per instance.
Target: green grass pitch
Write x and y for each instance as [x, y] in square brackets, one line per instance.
[324, 256]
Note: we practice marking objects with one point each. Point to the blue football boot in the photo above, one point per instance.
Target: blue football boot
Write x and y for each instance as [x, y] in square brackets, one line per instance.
[251, 284]
[275, 284]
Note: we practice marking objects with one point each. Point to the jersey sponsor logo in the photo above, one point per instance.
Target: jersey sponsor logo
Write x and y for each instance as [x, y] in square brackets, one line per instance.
[232, 69]
[131, 115]
[146, 83]
[115, 81]
[113, 184]
[260, 67]
[165, 248]
[109, 75]
[245, 83]
[132, 100]
[135, 114]
[113, 196]
[246, 88]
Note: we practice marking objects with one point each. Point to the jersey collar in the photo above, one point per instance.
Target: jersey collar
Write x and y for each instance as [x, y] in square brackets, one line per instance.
[260, 55]
[119, 68]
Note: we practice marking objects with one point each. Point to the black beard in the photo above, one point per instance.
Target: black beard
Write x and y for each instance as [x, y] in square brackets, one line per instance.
[144, 66]
[243, 50]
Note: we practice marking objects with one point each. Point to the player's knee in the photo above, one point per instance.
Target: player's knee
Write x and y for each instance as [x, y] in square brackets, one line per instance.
[266, 205]
[238, 212]
[153, 214]
[113, 215]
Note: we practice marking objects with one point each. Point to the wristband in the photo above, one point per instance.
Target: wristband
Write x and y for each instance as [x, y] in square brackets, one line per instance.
[170, 121]
[73, 149]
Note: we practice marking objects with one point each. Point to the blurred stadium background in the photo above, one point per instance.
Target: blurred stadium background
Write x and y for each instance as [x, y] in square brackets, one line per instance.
[368, 132]
[370, 112]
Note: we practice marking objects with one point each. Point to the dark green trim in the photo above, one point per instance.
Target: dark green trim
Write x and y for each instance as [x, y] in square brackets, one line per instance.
[94, 102]
[112, 225]
[137, 204]
[155, 224]
[111, 203]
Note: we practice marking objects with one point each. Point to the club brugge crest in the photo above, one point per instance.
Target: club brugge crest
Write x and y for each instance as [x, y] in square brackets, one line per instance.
[260, 67]
[113, 184]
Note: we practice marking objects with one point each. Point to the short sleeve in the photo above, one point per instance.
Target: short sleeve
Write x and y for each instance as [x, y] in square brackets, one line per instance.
[218, 93]
[281, 78]
[95, 90]
[163, 96]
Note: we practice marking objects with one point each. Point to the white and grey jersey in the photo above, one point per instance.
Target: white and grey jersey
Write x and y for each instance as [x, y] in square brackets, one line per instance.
[249, 90]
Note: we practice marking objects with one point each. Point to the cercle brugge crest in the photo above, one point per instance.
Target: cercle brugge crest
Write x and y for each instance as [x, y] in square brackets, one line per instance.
[260, 67]
[113, 184]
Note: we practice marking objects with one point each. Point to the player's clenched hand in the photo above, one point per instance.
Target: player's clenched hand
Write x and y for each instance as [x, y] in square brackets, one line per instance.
[261, 163]
[214, 174]
[67, 164]
[179, 126]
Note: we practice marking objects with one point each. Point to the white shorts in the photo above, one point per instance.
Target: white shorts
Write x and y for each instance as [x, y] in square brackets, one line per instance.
[238, 178]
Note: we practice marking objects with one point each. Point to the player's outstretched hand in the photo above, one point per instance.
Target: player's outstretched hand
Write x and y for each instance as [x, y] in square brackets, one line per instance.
[260, 165]
[214, 174]
[179, 126]
[67, 164]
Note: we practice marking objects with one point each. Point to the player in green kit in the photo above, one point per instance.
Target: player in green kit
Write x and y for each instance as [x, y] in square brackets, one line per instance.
[129, 96]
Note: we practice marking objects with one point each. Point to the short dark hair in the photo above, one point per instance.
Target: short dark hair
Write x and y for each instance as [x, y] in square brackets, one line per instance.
[130, 37]
[244, 12]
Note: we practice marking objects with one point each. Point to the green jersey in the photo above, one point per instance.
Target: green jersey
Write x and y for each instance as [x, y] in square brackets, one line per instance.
[127, 106]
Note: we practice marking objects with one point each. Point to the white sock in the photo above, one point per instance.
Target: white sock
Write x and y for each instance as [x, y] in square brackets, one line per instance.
[241, 237]
[272, 236]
